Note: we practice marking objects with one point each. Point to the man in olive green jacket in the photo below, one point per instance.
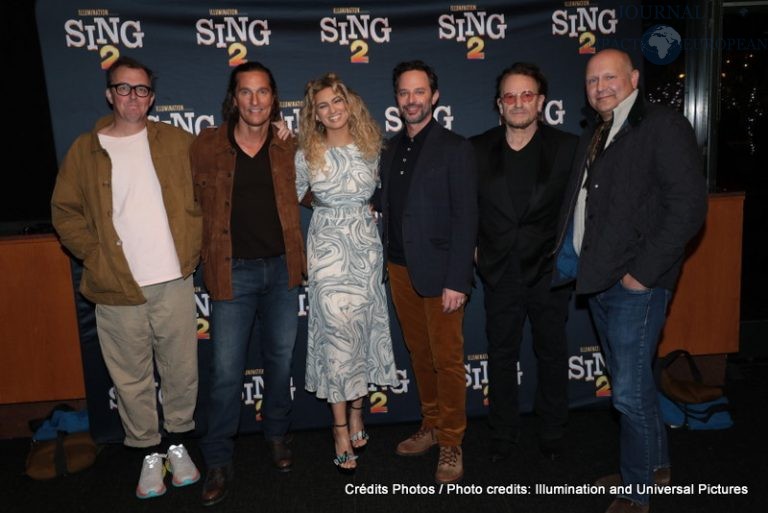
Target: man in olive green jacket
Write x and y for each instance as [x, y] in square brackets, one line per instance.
[124, 204]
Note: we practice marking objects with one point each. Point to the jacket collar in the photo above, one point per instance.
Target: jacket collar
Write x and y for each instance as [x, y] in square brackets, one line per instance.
[106, 121]
[634, 118]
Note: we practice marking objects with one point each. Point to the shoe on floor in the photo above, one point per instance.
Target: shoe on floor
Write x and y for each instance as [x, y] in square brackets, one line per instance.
[500, 449]
[181, 466]
[661, 476]
[417, 444]
[281, 453]
[218, 481]
[151, 479]
[620, 505]
[551, 448]
[450, 465]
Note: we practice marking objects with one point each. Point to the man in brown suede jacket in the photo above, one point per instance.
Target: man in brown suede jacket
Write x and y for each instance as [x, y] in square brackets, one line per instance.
[253, 261]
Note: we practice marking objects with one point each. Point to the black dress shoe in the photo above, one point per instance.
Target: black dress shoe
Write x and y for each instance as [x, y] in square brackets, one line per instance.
[500, 450]
[217, 484]
[281, 453]
[551, 448]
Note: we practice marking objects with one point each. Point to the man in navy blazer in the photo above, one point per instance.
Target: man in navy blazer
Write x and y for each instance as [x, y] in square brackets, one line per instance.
[429, 204]
[523, 170]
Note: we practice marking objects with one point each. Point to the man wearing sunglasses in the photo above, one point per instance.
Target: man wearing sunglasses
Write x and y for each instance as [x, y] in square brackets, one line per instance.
[523, 168]
[123, 203]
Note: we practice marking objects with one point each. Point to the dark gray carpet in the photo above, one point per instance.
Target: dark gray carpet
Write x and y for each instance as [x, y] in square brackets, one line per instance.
[736, 456]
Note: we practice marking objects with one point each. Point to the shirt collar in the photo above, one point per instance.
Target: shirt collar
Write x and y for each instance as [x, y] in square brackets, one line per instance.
[620, 114]
[419, 138]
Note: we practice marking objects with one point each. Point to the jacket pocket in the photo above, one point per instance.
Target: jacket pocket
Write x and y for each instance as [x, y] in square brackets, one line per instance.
[99, 278]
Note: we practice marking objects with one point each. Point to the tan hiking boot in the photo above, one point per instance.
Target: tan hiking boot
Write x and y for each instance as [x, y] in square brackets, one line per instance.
[417, 444]
[450, 465]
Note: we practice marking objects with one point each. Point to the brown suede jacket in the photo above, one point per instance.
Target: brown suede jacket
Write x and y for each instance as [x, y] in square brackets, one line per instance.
[213, 168]
[81, 211]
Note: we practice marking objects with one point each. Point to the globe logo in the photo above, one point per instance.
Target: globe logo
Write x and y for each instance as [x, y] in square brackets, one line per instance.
[661, 44]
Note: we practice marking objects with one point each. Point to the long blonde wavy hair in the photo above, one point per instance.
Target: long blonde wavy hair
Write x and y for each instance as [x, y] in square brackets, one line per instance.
[365, 132]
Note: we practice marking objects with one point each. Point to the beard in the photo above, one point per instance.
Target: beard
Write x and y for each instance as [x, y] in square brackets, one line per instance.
[519, 122]
[414, 119]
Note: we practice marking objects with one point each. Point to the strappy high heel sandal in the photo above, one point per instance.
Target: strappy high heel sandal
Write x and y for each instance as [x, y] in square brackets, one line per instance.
[360, 436]
[340, 459]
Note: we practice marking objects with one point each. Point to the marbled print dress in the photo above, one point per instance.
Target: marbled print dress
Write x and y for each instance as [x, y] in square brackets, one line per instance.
[349, 343]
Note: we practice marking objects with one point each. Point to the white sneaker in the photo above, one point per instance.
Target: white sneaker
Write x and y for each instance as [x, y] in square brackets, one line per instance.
[151, 480]
[181, 466]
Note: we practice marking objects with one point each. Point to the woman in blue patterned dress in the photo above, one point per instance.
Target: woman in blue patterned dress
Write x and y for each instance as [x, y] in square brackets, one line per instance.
[349, 343]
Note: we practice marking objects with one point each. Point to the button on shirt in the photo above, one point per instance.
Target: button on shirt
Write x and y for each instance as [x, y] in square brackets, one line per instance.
[403, 167]
[620, 114]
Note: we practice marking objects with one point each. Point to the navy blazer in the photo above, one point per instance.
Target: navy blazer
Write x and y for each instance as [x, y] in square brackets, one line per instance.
[524, 239]
[440, 214]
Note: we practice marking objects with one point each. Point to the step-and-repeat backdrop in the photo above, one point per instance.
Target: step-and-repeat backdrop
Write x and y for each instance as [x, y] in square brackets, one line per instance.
[192, 45]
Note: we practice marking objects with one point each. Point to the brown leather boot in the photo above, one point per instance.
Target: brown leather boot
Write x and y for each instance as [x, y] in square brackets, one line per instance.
[218, 481]
[282, 457]
[418, 443]
[450, 465]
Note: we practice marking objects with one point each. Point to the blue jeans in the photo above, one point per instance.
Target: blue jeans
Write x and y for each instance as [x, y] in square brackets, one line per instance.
[629, 324]
[263, 307]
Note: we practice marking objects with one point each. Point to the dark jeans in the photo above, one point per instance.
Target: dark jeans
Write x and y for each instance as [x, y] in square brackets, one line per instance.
[263, 307]
[629, 324]
[506, 307]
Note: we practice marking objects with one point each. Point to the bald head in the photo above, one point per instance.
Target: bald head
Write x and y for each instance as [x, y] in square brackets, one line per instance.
[616, 57]
[610, 79]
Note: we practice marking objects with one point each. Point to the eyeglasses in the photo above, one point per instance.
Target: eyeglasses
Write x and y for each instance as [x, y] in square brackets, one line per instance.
[525, 96]
[124, 89]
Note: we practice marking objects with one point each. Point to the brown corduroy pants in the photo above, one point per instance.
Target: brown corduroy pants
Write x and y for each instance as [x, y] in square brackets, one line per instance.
[436, 343]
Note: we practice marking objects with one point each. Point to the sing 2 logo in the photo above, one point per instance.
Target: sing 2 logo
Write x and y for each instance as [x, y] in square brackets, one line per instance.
[589, 366]
[583, 22]
[203, 307]
[378, 395]
[442, 114]
[355, 29]
[229, 29]
[466, 24]
[102, 32]
[179, 117]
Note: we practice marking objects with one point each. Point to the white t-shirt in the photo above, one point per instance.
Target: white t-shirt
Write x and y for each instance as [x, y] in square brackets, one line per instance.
[138, 211]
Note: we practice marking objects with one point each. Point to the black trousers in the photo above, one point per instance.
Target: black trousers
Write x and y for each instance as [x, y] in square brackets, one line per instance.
[507, 305]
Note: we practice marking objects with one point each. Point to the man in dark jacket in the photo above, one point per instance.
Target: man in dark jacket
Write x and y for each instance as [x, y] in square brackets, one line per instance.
[637, 196]
[430, 223]
[523, 169]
